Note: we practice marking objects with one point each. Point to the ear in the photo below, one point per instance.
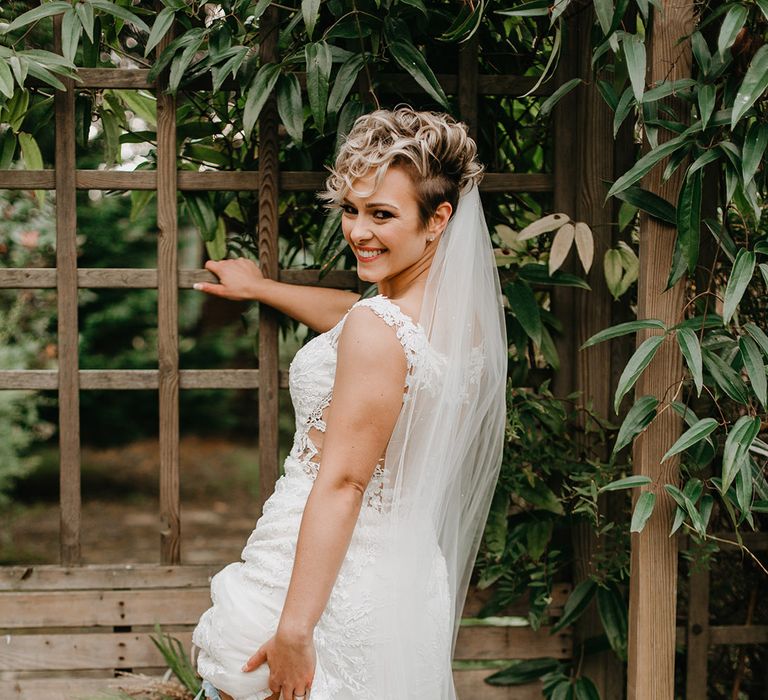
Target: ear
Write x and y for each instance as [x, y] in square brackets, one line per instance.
[439, 220]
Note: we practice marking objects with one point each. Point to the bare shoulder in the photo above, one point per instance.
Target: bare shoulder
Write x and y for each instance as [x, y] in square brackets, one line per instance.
[367, 338]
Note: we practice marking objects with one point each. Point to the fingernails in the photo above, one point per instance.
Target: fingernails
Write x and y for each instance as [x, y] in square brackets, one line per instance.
[244, 668]
[197, 285]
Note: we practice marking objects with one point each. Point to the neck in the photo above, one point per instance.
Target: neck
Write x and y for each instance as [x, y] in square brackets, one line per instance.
[414, 276]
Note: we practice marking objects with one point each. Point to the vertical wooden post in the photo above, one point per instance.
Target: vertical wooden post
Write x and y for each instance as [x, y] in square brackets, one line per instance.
[66, 304]
[697, 646]
[167, 320]
[468, 72]
[268, 227]
[653, 579]
[593, 311]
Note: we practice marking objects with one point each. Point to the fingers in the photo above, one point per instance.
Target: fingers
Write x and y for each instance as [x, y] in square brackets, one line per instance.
[255, 661]
[216, 290]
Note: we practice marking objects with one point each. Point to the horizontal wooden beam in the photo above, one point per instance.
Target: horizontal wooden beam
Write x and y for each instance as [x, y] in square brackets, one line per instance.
[489, 84]
[146, 278]
[738, 634]
[218, 180]
[51, 577]
[92, 379]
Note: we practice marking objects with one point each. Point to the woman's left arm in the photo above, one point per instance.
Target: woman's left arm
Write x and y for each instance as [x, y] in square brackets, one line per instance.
[367, 397]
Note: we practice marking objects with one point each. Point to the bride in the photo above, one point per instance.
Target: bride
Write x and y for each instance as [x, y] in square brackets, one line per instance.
[353, 581]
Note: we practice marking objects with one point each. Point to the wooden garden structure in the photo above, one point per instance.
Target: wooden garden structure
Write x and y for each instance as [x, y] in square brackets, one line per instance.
[68, 628]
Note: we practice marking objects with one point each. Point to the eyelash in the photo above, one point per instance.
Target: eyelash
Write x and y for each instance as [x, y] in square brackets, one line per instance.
[349, 209]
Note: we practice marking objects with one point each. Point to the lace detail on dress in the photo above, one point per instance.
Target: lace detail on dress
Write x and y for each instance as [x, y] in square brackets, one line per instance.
[313, 370]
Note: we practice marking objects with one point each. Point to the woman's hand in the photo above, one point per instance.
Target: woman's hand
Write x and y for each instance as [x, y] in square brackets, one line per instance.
[239, 279]
[291, 662]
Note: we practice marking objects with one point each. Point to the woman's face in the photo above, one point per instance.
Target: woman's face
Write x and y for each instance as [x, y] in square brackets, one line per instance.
[384, 229]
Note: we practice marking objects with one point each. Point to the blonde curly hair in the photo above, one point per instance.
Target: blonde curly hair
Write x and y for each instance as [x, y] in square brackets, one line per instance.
[433, 148]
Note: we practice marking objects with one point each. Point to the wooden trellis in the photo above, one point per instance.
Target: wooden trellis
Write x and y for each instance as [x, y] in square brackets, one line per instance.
[70, 627]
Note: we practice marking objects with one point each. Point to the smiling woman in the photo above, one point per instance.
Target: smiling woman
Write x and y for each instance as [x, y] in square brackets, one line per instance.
[352, 582]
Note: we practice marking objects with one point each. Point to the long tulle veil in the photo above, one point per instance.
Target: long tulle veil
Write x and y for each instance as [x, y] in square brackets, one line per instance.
[444, 456]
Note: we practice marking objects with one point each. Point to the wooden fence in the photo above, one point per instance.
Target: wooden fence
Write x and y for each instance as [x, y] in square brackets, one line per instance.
[68, 629]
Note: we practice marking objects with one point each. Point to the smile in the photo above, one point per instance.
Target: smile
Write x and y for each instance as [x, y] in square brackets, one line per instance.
[369, 254]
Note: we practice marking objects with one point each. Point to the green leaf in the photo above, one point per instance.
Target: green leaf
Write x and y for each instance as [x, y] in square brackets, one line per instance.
[646, 163]
[413, 61]
[536, 273]
[623, 108]
[706, 100]
[345, 80]
[310, 9]
[613, 614]
[637, 363]
[160, 28]
[8, 142]
[628, 481]
[217, 247]
[532, 8]
[523, 672]
[85, 13]
[689, 346]
[634, 52]
[755, 142]
[731, 26]
[30, 152]
[758, 336]
[557, 95]
[37, 71]
[585, 689]
[696, 433]
[202, 213]
[47, 9]
[667, 88]
[701, 51]
[649, 202]
[744, 484]
[689, 218]
[71, 29]
[540, 496]
[763, 5]
[725, 376]
[183, 60]
[525, 308]
[638, 419]
[258, 93]
[752, 87]
[604, 12]
[737, 444]
[753, 363]
[230, 66]
[739, 279]
[120, 12]
[686, 503]
[623, 329]
[319, 63]
[643, 510]
[289, 105]
[576, 604]
[6, 79]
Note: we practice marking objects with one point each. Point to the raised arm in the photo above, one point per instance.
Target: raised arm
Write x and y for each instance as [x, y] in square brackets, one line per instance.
[367, 397]
[240, 279]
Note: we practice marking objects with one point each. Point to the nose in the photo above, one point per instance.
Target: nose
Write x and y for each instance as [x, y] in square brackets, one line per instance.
[360, 231]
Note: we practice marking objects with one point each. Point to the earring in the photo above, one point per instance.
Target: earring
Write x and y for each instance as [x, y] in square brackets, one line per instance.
[430, 239]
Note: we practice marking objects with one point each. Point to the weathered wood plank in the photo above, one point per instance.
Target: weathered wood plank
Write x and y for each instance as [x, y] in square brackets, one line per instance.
[511, 643]
[653, 561]
[168, 319]
[65, 652]
[66, 303]
[69, 688]
[146, 278]
[210, 180]
[269, 149]
[92, 379]
[698, 638]
[470, 685]
[46, 577]
[136, 79]
[168, 606]
[739, 634]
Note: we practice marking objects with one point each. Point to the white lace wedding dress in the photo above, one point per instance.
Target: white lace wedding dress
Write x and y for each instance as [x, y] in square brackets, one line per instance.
[248, 596]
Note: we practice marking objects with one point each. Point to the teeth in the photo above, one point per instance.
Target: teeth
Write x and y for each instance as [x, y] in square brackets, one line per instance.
[369, 253]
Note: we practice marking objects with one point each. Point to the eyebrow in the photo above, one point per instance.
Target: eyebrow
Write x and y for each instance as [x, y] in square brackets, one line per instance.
[372, 205]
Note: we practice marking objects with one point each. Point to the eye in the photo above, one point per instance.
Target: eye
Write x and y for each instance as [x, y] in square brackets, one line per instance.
[348, 209]
[385, 214]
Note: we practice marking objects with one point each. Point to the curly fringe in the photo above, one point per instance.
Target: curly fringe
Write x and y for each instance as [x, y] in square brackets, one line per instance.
[435, 149]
